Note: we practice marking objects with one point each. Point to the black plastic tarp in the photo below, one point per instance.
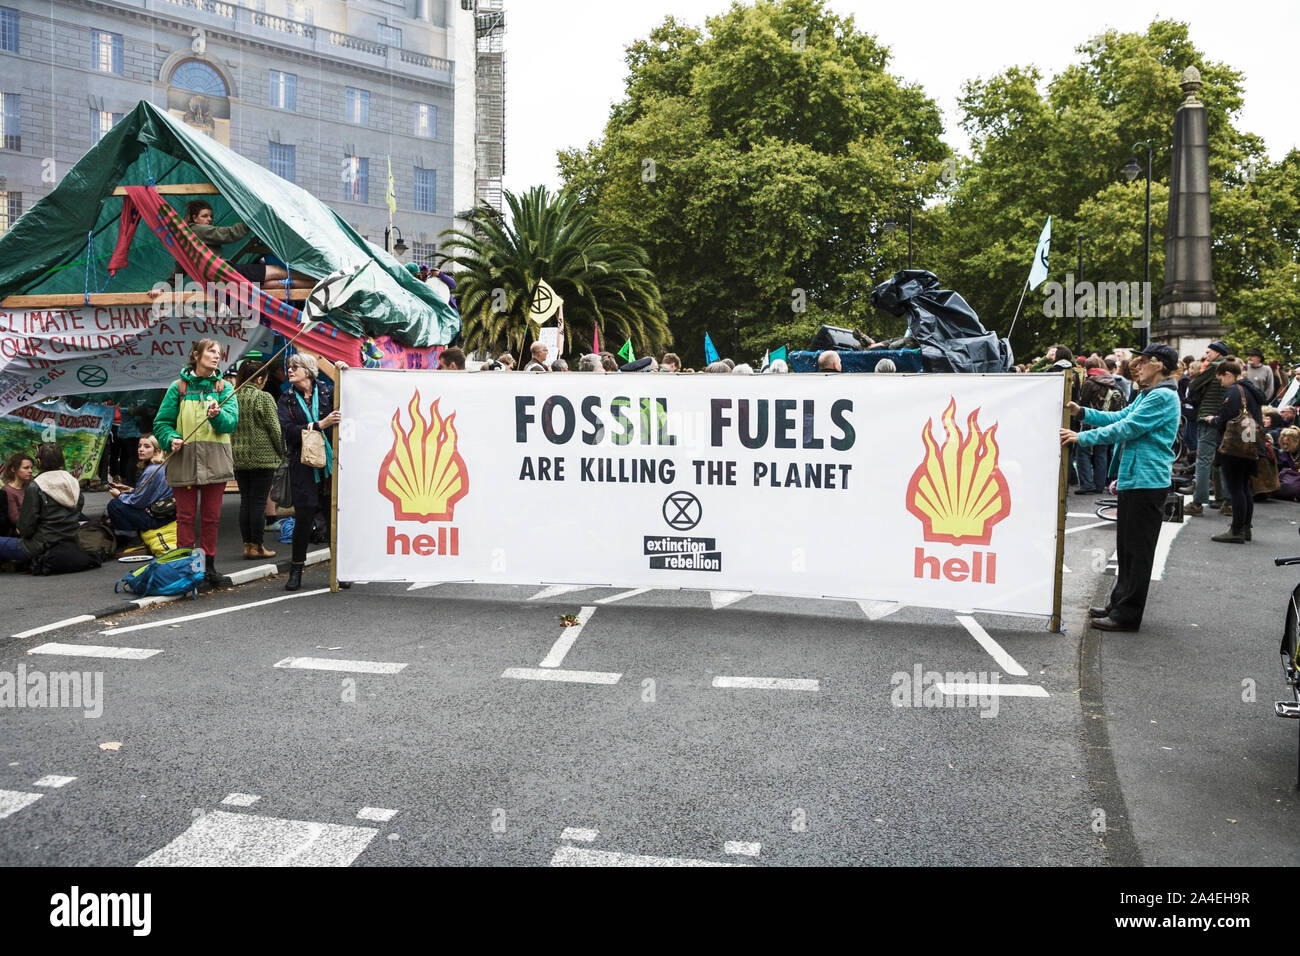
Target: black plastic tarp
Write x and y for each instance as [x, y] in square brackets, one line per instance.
[942, 323]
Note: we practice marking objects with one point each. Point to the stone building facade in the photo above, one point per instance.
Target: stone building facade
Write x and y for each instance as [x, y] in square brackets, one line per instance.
[325, 93]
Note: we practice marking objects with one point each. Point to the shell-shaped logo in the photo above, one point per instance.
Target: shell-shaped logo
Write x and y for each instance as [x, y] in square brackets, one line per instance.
[958, 492]
[424, 475]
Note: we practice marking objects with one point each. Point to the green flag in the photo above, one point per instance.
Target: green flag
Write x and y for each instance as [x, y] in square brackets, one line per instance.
[625, 353]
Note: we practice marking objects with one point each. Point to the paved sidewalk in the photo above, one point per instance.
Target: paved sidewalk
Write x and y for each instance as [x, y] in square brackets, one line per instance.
[1207, 770]
[33, 601]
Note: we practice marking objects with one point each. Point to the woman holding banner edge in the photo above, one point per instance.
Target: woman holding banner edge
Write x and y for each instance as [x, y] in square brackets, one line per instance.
[1147, 429]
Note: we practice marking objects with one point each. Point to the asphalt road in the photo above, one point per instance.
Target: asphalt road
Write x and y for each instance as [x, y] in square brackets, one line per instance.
[487, 737]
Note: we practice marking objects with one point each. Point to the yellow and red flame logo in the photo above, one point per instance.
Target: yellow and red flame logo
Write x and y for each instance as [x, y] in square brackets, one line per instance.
[958, 492]
[423, 475]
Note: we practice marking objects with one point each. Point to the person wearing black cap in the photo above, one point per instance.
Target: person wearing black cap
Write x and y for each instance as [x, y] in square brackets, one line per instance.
[1145, 430]
[1205, 392]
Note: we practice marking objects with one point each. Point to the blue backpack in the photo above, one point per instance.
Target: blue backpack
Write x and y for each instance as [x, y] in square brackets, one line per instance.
[179, 571]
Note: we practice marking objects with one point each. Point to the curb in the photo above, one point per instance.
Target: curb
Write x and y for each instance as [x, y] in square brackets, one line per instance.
[244, 576]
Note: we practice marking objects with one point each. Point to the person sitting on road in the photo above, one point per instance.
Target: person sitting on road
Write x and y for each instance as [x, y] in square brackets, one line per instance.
[129, 509]
[1288, 465]
[17, 475]
[51, 509]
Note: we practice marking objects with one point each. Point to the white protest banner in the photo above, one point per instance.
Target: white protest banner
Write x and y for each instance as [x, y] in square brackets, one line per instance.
[933, 490]
[550, 337]
[47, 352]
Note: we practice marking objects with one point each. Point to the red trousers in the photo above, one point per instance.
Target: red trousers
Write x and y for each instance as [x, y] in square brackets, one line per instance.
[207, 498]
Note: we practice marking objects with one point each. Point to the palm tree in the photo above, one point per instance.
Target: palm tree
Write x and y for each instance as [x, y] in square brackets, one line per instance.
[604, 285]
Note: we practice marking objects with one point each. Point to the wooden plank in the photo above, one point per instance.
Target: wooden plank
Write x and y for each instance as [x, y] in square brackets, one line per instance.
[77, 300]
[177, 189]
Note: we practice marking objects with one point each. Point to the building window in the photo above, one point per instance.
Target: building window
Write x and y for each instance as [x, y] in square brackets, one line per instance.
[426, 181]
[390, 35]
[11, 207]
[11, 121]
[356, 178]
[358, 107]
[282, 161]
[302, 12]
[105, 51]
[426, 120]
[422, 253]
[198, 78]
[284, 90]
[101, 121]
[8, 30]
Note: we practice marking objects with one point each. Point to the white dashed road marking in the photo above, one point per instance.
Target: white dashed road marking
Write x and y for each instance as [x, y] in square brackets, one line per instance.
[579, 834]
[990, 690]
[376, 814]
[573, 677]
[721, 599]
[1005, 660]
[11, 801]
[218, 611]
[623, 595]
[561, 647]
[555, 590]
[240, 800]
[53, 780]
[80, 619]
[220, 838]
[736, 848]
[330, 664]
[875, 610]
[1168, 531]
[92, 650]
[768, 683]
[582, 856]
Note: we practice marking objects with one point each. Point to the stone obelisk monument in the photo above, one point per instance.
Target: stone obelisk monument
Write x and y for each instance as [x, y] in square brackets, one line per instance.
[1188, 318]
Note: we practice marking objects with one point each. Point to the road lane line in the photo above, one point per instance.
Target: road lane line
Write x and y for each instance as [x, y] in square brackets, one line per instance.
[555, 590]
[331, 664]
[572, 677]
[376, 814]
[562, 646]
[11, 801]
[583, 856]
[53, 780]
[93, 650]
[721, 599]
[1168, 531]
[580, 834]
[221, 838]
[1085, 527]
[79, 619]
[217, 612]
[875, 610]
[240, 800]
[737, 848]
[624, 594]
[990, 690]
[768, 683]
[1005, 660]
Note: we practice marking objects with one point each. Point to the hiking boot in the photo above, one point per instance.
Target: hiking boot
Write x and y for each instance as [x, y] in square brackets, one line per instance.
[1230, 537]
[212, 575]
[262, 551]
[295, 577]
[1194, 509]
[250, 551]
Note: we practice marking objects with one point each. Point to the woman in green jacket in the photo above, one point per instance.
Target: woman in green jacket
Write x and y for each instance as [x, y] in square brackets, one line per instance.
[259, 447]
[194, 422]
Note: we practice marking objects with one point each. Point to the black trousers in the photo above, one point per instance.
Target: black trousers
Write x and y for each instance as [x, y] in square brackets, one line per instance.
[304, 520]
[1237, 473]
[254, 486]
[1141, 512]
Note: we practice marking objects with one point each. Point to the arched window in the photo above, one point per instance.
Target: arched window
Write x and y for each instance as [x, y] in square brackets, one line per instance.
[198, 78]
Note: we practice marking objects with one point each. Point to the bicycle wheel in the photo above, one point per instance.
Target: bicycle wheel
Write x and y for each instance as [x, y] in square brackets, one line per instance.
[1109, 512]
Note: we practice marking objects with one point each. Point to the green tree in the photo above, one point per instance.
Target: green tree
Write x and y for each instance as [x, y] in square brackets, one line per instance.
[604, 284]
[1059, 150]
[756, 162]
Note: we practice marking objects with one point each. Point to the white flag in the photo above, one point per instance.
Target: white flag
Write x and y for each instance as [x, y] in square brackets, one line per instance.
[1038, 271]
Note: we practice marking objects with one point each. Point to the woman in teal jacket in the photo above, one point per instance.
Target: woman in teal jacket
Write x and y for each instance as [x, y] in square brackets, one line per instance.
[1146, 429]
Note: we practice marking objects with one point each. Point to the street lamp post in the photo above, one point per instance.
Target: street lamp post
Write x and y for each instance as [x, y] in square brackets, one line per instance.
[1130, 171]
[399, 247]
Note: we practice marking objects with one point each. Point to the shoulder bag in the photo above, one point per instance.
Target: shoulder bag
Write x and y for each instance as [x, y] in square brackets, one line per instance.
[1242, 435]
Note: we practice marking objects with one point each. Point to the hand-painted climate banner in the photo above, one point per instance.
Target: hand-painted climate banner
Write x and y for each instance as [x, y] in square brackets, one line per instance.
[79, 432]
[934, 490]
[50, 352]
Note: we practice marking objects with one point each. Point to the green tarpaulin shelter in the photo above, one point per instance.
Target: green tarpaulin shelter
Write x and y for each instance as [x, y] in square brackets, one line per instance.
[63, 243]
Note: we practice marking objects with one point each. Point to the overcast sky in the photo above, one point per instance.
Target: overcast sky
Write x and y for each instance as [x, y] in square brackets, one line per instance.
[564, 58]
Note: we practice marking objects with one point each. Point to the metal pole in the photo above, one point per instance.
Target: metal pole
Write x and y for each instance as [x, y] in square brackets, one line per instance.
[1078, 341]
[909, 237]
[386, 233]
[1146, 293]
